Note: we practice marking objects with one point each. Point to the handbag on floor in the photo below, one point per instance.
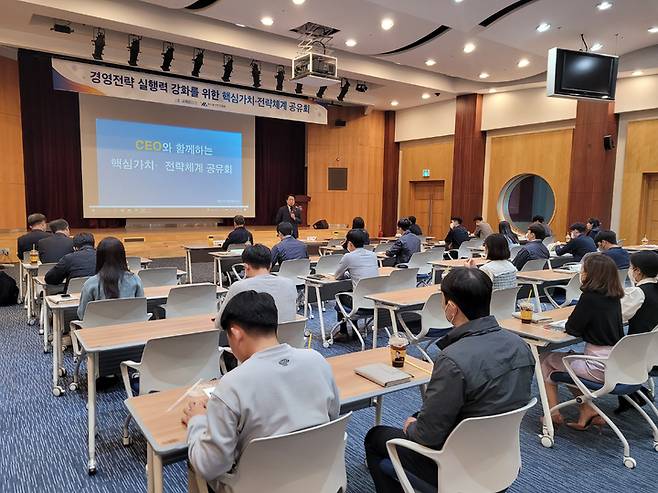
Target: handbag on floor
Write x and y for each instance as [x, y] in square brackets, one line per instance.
[8, 290]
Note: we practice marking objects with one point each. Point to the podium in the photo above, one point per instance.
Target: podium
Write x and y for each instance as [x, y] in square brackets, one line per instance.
[302, 201]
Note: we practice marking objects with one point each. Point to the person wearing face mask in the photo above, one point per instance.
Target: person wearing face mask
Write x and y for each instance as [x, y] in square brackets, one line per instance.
[482, 370]
[579, 245]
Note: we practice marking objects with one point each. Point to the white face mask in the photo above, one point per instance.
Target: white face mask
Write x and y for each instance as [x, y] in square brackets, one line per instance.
[445, 313]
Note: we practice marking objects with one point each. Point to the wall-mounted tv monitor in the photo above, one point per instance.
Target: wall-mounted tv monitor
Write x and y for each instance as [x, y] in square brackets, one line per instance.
[581, 75]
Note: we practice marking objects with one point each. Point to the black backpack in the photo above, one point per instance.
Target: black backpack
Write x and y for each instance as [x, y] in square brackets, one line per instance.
[8, 290]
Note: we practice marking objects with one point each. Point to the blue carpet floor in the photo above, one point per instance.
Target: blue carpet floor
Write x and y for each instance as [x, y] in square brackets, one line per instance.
[43, 446]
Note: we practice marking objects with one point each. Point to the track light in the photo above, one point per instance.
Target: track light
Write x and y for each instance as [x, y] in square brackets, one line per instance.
[133, 47]
[197, 61]
[298, 88]
[99, 44]
[343, 90]
[167, 56]
[280, 77]
[255, 73]
[361, 87]
[228, 68]
[320, 93]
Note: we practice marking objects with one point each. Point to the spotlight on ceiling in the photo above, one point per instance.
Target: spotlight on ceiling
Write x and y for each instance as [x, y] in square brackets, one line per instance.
[197, 61]
[653, 30]
[99, 44]
[167, 56]
[320, 93]
[387, 23]
[596, 47]
[395, 102]
[543, 27]
[361, 87]
[524, 62]
[298, 88]
[345, 86]
[133, 49]
[255, 73]
[469, 47]
[58, 27]
[228, 68]
[280, 77]
[426, 95]
[604, 5]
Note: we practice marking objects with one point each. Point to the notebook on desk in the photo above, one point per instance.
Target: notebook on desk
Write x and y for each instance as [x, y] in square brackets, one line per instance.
[62, 298]
[536, 317]
[383, 374]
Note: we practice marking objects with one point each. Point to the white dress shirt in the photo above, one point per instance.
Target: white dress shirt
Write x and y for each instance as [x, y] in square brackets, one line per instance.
[634, 299]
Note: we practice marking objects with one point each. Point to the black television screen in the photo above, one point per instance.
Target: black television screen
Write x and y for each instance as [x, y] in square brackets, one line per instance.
[579, 74]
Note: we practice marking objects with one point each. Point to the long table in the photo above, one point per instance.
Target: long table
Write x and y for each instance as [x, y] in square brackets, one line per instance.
[197, 249]
[537, 277]
[166, 435]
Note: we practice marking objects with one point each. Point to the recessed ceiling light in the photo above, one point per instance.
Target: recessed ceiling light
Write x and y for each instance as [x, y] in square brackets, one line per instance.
[543, 27]
[469, 47]
[241, 25]
[267, 21]
[604, 5]
[426, 95]
[350, 42]
[653, 30]
[298, 2]
[636, 73]
[430, 61]
[394, 102]
[484, 75]
[596, 47]
[459, 1]
[387, 23]
[492, 90]
[524, 62]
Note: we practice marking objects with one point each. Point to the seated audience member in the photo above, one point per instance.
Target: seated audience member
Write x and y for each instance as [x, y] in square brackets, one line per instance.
[505, 229]
[607, 242]
[540, 220]
[414, 228]
[597, 320]
[482, 228]
[579, 245]
[593, 227]
[239, 236]
[406, 245]
[358, 224]
[80, 263]
[276, 390]
[481, 370]
[457, 235]
[288, 248]
[113, 279]
[534, 249]
[38, 231]
[359, 263]
[639, 305]
[499, 269]
[56, 245]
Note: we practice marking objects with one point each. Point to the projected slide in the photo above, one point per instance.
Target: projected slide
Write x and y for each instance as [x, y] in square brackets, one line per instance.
[144, 165]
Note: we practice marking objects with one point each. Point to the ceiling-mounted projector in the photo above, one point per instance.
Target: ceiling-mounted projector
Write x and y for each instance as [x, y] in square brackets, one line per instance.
[315, 69]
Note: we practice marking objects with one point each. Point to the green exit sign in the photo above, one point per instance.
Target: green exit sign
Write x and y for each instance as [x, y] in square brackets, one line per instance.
[426, 173]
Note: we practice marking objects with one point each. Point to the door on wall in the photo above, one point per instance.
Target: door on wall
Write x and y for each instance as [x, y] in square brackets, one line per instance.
[427, 204]
[649, 213]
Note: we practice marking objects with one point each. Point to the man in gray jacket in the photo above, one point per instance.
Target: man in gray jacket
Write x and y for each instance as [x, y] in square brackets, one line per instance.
[406, 245]
[482, 370]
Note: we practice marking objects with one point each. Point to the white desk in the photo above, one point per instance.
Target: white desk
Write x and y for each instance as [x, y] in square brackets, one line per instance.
[197, 248]
[537, 277]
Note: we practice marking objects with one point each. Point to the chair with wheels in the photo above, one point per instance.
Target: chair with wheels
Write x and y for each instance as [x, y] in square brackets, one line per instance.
[160, 276]
[402, 279]
[327, 264]
[623, 276]
[191, 299]
[503, 303]
[134, 264]
[431, 326]
[514, 251]
[571, 292]
[292, 269]
[237, 247]
[420, 261]
[75, 285]
[549, 240]
[382, 247]
[532, 265]
[292, 333]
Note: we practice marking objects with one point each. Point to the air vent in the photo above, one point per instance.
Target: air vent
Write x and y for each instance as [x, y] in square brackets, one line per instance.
[315, 30]
[503, 12]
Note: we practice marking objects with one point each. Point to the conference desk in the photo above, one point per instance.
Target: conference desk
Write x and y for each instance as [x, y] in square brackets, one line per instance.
[541, 338]
[395, 301]
[57, 308]
[96, 340]
[197, 250]
[642, 248]
[166, 435]
[537, 277]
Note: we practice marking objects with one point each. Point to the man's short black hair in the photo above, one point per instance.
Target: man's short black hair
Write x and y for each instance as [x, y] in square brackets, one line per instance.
[253, 312]
[477, 218]
[538, 219]
[257, 256]
[290, 195]
[284, 228]
[58, 225]
[457, 218]
[82, 239]
[580, 227]
[412, 219]
[469, 289]
[594, 222]
[358, 223]
[404, 224]
[34, 219]
[238, 220]
[497, 247]
[538, 231]
[646, 262]
[608, 236]
[356, 237]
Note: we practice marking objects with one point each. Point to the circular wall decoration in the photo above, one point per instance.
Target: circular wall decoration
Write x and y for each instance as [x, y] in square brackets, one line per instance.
[523, 197]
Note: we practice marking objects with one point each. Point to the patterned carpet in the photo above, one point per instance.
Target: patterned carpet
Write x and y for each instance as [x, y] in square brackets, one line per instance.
[44, 437]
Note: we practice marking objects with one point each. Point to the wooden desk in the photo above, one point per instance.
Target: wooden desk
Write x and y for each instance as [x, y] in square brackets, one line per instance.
[192, 248]
[394, 301]
[165, 434]
[448, 264]
[123, 336]
[641, 248]
[537, 277]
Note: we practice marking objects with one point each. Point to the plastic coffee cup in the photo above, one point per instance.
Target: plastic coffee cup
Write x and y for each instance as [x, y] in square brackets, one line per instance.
[398, 346]
[526, 312]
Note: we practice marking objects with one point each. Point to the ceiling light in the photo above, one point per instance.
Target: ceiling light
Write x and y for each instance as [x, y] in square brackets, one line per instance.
[524, 62]
[469, 47]
[653, 30]
[492, 90]
[604, 5]
[197, 62]
[298, 2]
[99, 44]
[241, 25]
[280, 77]
[484, 75]
[133, 49]
[543, 27]
[167, 56]
[345, 86]
[267, 21]
[387, 23]
[350, 42]
[596, 47]
[426, 95]
[361, 86]
[636, 73]
[394, 102]
[459, 1]
[430, 61]
[255, 74]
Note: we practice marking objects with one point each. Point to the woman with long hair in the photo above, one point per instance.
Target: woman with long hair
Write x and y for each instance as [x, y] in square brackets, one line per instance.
[113, 279]
[505, 229]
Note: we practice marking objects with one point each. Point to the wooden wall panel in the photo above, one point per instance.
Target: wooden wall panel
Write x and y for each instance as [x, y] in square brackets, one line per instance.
[360, 148]
[12, 178]
[641, 157]
[547, 154]
[391, 175]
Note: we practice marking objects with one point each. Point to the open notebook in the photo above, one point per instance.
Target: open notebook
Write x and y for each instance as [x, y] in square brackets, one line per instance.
[382, 374]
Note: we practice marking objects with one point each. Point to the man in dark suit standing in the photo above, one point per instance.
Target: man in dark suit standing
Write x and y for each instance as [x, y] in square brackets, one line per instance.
[38, 231]
[80, 263]
[290, 213]
[53, 248]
